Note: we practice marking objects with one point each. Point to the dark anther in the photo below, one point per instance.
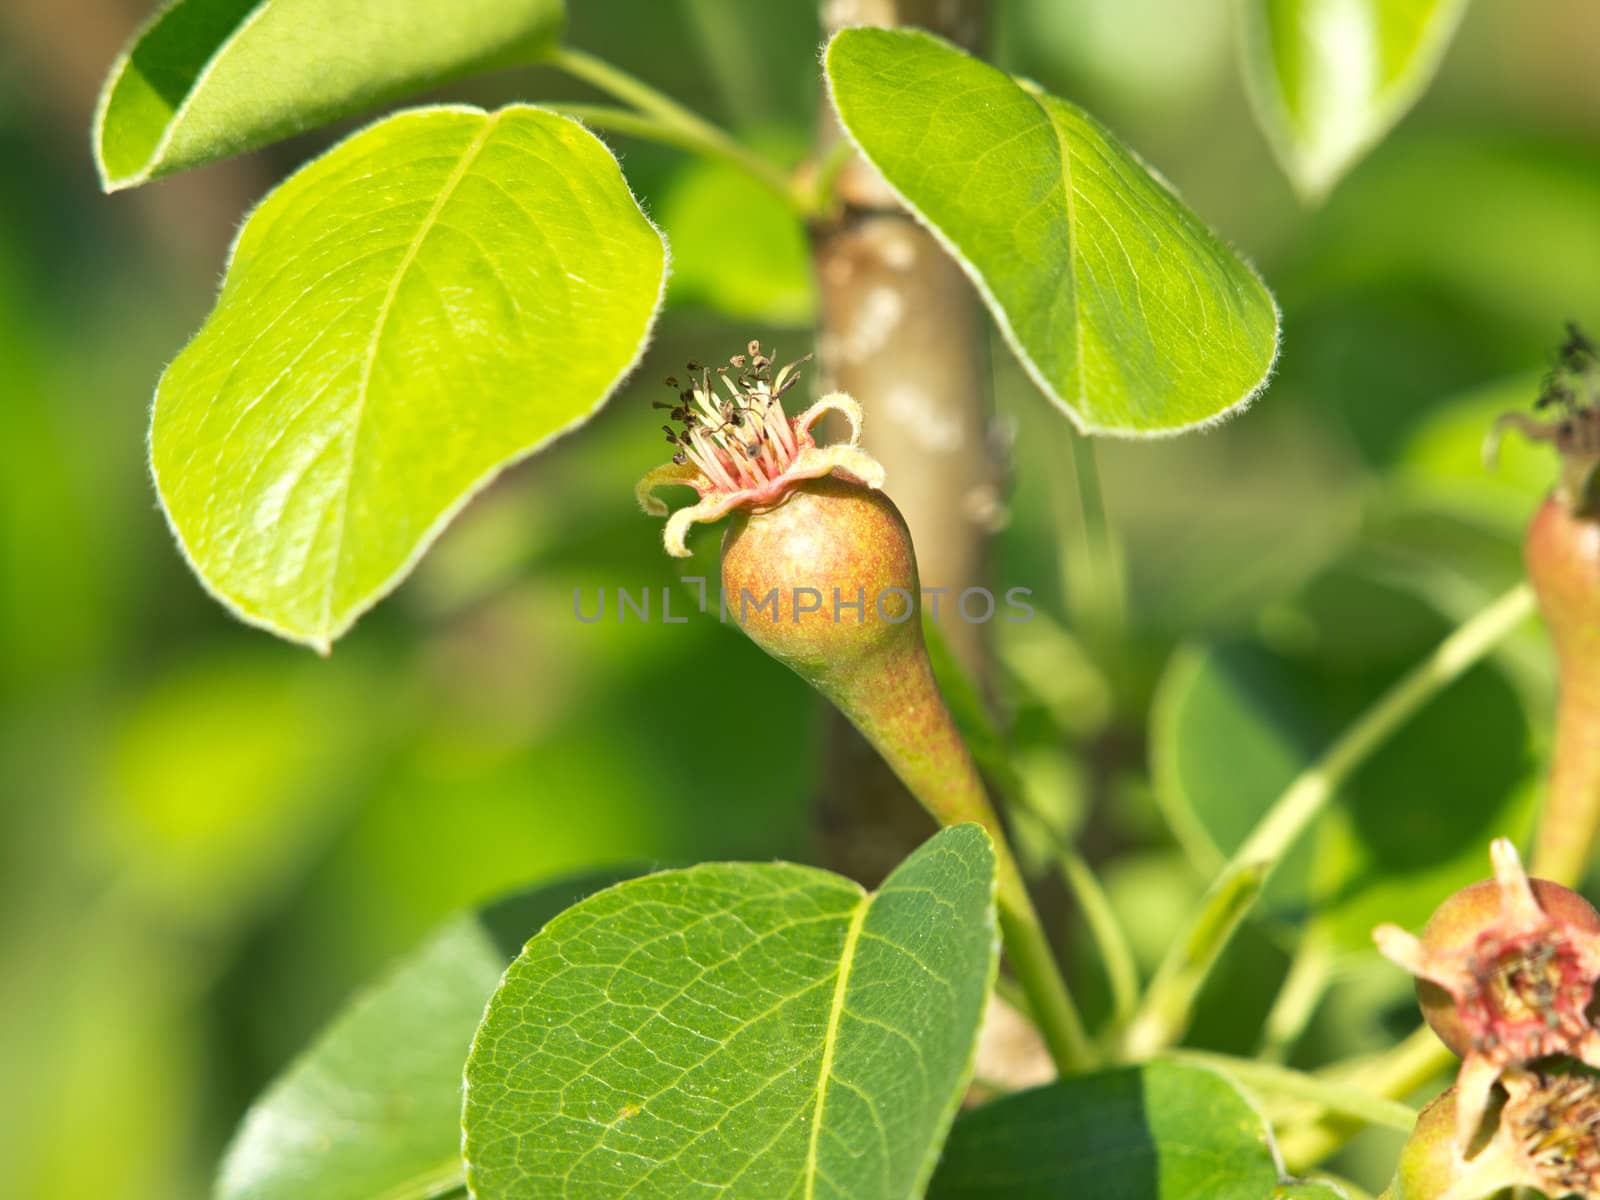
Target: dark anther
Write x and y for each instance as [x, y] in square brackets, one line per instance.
[679, 459]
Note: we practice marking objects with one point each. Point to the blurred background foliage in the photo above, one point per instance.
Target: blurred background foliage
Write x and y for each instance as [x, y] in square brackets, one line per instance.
[208, 838]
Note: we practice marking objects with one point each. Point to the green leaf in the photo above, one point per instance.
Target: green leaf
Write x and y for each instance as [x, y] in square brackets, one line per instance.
[1227, 737]
[737, 248]
[372, 1111]
[1235, 724]
[1124, 308]
[1164, 1131]
[206, 79]
[739, 1030]
[435, 298]
[1328, 78]
[1442, 463]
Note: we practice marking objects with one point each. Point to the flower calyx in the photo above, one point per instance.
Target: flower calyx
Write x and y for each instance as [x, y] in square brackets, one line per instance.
[1545, 1136]
[1506, 971]
[1571, 390]
[737, 448]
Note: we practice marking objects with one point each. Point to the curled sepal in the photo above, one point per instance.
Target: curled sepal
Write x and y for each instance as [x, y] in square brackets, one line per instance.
[666, 475]
[741, 451]
[1506, 970]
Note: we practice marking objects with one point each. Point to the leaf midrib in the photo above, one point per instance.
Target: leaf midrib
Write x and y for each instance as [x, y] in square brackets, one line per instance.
[1072, 243]
[830, 1040]
[468, 157]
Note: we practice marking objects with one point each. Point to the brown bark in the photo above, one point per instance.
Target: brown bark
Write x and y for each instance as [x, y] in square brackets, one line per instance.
[901, 329]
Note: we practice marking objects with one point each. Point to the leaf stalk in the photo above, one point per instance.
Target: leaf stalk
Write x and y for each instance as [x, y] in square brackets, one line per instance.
[1169, 1002]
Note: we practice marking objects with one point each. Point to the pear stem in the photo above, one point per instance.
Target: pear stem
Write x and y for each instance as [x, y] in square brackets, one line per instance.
[1562, 552]
[919, 740]
[1571, 817]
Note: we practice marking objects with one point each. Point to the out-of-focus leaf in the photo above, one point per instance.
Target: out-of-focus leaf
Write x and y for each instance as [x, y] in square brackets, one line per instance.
[1330, 77]
[100, 1022]
[1164, 1131]
[222, 778]
[1415, 823]
[209, 78]
[435, 298]
[372, 1110]
[1124, 308]
[1226, 737]
[1154, 56]
[1443, 464]
[54, 612]
[751, 1030]
[1235, 725]
[1493, 236]
[737, 248]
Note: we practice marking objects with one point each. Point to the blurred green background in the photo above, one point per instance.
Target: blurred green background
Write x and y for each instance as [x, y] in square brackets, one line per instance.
[207, 838]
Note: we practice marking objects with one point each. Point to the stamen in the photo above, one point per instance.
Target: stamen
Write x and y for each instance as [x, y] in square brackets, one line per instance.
[744, 448]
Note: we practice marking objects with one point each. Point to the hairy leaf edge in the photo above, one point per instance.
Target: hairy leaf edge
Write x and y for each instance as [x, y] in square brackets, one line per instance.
[1002, 320]
[952, 1107]
[322, 640]
[119, 68]
[151, 167]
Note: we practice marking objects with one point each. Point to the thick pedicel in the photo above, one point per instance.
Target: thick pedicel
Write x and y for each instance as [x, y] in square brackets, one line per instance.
[1562, 553]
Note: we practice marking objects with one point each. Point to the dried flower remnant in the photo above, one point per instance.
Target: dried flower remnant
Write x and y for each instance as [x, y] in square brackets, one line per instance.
[740, 449]
[1572, 390]
[1553, 1124]
[1562, 554]
[1545, 1135]
[1506, 970]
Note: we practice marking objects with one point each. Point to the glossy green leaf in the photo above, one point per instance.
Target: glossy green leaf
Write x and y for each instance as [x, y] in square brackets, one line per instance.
[1124, 308]
[738, 1030]
[206, 79]
[1330, 77]
[437, 297]
[1234, 725]
[1164, 1131]
[372, 1110]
